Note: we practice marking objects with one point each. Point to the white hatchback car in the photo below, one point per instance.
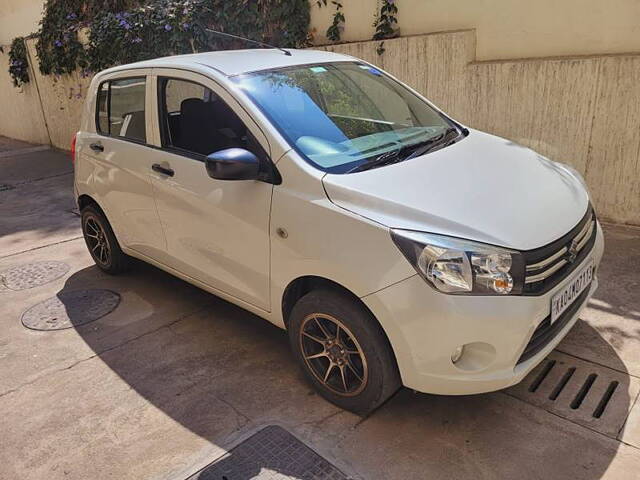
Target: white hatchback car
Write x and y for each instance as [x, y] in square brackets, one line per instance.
[395, 246]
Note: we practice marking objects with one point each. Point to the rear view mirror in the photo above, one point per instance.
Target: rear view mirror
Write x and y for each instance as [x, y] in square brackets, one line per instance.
[233, 164]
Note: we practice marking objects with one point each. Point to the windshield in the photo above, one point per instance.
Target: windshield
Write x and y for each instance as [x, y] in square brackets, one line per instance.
[340, 116]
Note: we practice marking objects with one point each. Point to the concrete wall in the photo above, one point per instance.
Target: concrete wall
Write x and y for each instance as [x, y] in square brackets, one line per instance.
[21, 115]
[505, 28]
[62, 100]
[580, 110]
[583, 111]
[19, 18]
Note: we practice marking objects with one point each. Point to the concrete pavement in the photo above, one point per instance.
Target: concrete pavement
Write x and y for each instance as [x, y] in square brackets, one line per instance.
[175, 377]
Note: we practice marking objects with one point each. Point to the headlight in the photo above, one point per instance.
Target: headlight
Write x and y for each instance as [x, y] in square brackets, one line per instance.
[452, 265]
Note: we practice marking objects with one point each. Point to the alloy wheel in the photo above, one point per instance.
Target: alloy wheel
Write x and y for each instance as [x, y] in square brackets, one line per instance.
[333, 355]
[97, 241]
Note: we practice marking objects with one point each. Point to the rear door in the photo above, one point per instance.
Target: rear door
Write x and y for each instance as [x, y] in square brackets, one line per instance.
[122, 161]
[217, 231]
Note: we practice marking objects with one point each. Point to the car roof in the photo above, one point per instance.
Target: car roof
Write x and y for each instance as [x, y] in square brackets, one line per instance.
[235, 62]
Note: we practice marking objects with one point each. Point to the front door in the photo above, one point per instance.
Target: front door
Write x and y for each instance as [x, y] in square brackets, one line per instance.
[217, 231]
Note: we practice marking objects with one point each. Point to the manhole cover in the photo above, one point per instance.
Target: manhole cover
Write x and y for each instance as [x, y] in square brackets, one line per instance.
[591, 395]
[271, 454]
[32, 275]
[70, 309]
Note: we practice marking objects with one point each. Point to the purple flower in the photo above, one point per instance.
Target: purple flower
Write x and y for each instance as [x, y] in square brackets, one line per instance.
[57, 43]
[185, 26]
[124, 24]
[168, 28]
[136, 40]
[72, 16]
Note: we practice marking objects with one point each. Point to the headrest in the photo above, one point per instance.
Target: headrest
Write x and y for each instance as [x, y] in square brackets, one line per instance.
[192, 107]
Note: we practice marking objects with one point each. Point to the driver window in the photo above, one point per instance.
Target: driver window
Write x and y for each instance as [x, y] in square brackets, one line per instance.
[196, 120]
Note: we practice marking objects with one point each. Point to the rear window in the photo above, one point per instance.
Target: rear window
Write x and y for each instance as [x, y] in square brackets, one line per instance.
[120, 109]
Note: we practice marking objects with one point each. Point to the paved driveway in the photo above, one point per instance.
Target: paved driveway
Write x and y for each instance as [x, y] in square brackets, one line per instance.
[174, 377]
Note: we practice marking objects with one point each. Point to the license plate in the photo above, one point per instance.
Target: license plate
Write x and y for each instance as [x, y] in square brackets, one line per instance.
[565, 297]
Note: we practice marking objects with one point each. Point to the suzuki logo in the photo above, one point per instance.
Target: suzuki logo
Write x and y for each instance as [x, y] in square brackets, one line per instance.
[573, 252]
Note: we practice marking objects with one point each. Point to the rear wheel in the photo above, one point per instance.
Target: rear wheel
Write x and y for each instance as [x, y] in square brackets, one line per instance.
[102, 243]
[343, 351]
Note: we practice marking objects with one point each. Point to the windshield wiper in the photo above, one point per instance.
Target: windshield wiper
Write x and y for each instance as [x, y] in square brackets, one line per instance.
[385, 159]
[440, 141]
[416, 149]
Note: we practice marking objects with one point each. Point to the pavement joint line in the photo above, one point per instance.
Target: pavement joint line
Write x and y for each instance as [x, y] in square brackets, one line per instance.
[624, 424]
[23, 151]
[379, 407]
[597, 363]
[615, 439]
[314, 423]
[624, 225]
[42, 246]
[342, 432]
[247, 420]
[102, 352]
[39, 179]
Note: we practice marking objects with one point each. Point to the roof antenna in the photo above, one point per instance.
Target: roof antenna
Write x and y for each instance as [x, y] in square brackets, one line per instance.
[228, 35]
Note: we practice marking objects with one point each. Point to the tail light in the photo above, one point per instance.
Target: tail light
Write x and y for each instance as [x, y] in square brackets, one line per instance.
[73, 149]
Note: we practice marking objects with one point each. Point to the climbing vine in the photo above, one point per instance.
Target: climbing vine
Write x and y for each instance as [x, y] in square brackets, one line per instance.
[18, 62]
[385, 23]
[122, 31]
[334, 31]
[95, 34]
[58, 46]
[146, 32]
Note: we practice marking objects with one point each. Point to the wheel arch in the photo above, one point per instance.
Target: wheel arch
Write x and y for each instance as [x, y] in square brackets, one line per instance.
[300, 286]
[85, 200]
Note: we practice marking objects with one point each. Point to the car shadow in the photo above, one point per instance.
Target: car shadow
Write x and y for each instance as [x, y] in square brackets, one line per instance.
[186, 365]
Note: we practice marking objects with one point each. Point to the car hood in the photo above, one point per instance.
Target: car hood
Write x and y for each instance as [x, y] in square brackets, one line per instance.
[482, 188]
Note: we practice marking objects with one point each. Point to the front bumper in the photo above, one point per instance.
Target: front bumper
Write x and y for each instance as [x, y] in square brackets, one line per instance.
[425, 327]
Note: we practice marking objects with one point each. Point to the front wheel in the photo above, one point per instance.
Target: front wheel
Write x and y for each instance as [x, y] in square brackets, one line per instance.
[343, 351]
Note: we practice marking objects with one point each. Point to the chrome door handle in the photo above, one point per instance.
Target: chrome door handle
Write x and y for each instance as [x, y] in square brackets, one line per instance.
[156, 167]
[96, 147]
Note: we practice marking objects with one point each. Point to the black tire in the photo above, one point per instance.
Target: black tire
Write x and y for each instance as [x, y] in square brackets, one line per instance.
[99, 237]
[359, 332]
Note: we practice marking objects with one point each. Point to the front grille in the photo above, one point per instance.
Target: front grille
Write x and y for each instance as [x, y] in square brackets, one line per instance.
[547, 331]
[549, 265]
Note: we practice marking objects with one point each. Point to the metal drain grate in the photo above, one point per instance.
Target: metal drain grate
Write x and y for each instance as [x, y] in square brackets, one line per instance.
[30, 275]
[5, 186]
[70, 309]
[271, 454]
[594, 396]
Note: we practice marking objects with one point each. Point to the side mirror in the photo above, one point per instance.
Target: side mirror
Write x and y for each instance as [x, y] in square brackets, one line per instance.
[233, 164]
